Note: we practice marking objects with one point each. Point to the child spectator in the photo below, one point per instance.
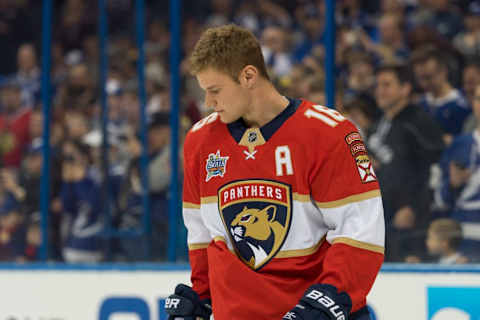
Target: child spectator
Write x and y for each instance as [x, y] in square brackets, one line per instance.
[82, 205]
[443, 239]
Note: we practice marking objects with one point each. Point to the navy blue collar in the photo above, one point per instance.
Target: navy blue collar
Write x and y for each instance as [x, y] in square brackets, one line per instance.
[237, 128]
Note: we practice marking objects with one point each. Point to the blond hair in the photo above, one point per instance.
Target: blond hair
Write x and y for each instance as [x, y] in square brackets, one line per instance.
[228, 49]
[447, 229]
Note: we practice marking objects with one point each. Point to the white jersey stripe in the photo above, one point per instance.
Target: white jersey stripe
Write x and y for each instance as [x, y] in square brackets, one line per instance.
[197, 233]
[309, 225]
[365, 222]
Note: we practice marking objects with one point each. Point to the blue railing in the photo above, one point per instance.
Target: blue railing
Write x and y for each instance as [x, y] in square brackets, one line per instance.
[144, 231]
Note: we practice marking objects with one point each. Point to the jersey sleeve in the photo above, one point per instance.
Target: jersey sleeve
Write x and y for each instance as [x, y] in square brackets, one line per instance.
[198, 237]
[347, 194]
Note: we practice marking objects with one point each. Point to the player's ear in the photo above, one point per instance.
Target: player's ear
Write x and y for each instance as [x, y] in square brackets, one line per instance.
[248, 76]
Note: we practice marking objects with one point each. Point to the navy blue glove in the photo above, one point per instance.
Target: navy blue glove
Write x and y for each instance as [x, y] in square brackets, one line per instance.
[321, 302]
[185, 304]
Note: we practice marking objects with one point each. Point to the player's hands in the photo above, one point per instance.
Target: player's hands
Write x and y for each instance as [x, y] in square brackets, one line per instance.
[185, 304]
[321, 302]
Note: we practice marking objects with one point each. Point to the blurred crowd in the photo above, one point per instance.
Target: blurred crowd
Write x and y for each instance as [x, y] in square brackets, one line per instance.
[407, 74]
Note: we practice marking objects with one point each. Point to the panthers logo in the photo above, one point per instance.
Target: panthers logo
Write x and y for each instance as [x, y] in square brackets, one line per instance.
[256, 215]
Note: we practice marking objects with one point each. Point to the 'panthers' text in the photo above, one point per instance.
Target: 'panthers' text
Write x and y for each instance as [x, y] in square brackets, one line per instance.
[239, 192]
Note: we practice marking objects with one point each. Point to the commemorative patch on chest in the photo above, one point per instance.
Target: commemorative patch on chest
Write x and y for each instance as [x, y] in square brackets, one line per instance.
[257, 216]
[216, 165]
[359, 153]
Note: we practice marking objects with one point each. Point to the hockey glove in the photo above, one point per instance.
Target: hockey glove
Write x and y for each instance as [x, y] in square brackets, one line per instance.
[321, 302]
[185, 304]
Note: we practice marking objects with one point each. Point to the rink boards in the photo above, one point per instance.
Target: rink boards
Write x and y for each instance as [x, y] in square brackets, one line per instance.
[116, 292]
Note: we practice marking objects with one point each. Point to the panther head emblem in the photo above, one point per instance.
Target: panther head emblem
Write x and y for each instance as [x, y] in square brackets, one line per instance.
[259, 230]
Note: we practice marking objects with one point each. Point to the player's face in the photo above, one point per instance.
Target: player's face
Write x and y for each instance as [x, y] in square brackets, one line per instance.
[227, 97]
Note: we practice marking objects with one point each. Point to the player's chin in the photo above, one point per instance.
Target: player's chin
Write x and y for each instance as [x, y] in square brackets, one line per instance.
[226, 119]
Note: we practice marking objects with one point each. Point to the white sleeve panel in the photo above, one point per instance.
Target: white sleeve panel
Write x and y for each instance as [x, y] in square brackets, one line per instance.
[361, 221]
[197, 232]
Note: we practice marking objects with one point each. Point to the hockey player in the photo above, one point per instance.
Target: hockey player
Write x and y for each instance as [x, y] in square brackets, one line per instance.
[282, 207]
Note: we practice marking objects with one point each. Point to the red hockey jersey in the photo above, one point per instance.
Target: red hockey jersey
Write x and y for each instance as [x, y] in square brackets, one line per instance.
[271, 211]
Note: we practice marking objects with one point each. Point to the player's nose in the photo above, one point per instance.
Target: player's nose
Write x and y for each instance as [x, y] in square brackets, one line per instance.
[209, 102]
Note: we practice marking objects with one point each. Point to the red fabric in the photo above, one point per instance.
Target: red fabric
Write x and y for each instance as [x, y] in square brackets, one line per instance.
[351, 270]
[199, 277]
[16, 130]
[321, 169]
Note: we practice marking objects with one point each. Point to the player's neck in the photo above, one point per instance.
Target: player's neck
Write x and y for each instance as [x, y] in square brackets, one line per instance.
[265, 105]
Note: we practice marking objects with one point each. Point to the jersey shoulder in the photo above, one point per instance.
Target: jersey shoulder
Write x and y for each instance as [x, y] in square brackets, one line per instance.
[203, 131]
[323, 124]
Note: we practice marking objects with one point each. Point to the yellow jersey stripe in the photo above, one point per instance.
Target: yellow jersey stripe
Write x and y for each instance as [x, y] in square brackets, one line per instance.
[360, 244]
[349, 199]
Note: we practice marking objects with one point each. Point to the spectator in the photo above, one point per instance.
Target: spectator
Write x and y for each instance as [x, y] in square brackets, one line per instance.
[118, 159]
[443, 239]
[352, 14]
[159, 180]
[82, 205]
[315, 90]
[272, 13]
[34, 238]
[446, 104]
[76, 22]
[361, 74]
[440, 15]
[28, 74]
[275, 51]
[14, 125]
[10, 184]
[311, 19]
[404, 143]
[459, 193]
[12, 231]
[246, 15]
[29, 181]
[363, 111]
[15, 28]
[391, 47]
[78, 92]
[158, 39]
[471, 79]
[221, 12]
[468, 41]
[393, 7]
[76, 124]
